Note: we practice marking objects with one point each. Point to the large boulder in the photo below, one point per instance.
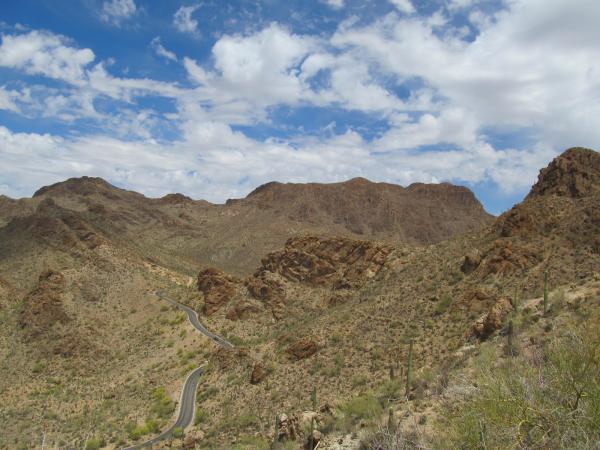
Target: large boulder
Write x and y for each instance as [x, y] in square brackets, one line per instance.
[218, 288]
[493, 320]
[302, 349]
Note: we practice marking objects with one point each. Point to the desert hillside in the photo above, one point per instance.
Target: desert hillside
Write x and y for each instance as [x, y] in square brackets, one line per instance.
[321, 288]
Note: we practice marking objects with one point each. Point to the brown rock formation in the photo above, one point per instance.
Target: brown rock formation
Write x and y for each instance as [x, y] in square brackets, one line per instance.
[336, 262]
[218, 288]
[43, 306]
[258, 373]
[493, 320]
[241, 310]
[575, 173]
[302, 349]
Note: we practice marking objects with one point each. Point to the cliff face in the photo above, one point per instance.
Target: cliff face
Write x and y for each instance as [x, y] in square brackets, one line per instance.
[575, 173]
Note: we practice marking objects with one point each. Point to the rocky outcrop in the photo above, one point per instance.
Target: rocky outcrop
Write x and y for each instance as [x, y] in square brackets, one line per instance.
[506, 258]
[493, 320]
[43, 306]
[302, 349]
[263, 286]
[470, 262]
[218, 288]
[242, 310]
[575, 173]
[175, 199]
[336, 262]
[258, 373]
[288, 429]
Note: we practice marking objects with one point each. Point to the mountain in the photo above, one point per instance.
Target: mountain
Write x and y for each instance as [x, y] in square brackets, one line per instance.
[318, 286]
[179, 232]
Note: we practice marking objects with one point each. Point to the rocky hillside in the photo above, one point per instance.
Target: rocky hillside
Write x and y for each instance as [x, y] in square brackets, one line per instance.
[310, 295]
[177, 231]
[338, 313]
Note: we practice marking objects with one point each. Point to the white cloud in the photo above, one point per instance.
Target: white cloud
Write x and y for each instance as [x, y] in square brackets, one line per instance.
[7, 100]
[336, 4]
[404, 6]
[43, 53]
[183, 20]
[525, 72]
[161, 50]
[116, 11]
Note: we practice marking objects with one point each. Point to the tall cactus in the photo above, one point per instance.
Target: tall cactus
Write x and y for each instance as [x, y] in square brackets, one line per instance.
[312, 420]
[546, 291]
[276, 435]
[409, 366]
[510, 338]
[391, 421]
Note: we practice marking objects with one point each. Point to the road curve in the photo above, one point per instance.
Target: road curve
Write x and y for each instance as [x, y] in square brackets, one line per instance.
[187, 402]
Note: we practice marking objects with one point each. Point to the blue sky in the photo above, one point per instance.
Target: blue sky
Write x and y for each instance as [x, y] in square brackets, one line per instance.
[212, 98]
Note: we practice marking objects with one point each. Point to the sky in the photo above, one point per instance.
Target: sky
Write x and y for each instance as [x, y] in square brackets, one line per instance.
[213, 98]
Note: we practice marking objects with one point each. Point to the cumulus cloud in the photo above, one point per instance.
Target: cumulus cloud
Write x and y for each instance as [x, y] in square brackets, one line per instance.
[443, 98]
[43, 53]
[404, 6]
[116, 11]
[7, 100]
[160, 50]
[336, 4]
[184, 21]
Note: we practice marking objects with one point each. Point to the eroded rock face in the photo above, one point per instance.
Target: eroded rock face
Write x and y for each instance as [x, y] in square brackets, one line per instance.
[218, 288]
[575, 173]
[43, 306]
[470, 263]
[505, 258]
[263, 286]
[302, 349]
[336, 262]
[493, 320]
[242, 310]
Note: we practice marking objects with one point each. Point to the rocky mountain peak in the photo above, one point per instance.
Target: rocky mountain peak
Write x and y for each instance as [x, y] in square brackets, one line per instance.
[574, 173]
[84, 186]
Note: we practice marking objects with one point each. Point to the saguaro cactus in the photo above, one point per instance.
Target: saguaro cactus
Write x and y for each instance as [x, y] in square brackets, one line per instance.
[276, 435]
[312, 420]
[391, 421]
[409, 366]
[546, 291]
[510, 338]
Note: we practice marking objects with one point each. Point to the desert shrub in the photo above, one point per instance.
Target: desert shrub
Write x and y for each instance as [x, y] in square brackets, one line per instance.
[201, 416]
[443, 305]
[399, 439]
[95, 444]
[162, 405]
[251, 442]
[178, 432]
[363, 407]
[550, 400]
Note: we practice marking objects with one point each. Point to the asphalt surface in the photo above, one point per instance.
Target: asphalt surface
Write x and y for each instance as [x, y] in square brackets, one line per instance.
[187, 402]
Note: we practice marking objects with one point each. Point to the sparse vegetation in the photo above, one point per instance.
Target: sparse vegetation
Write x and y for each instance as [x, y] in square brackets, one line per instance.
[547, 400]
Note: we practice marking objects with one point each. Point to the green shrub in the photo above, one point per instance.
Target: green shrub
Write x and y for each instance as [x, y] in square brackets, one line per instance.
[95, 444]
[550, 401]
[364, 407]
[178, 432]
[443, 305]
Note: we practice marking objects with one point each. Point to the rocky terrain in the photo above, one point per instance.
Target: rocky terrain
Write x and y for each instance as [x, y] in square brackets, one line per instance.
[324, 288]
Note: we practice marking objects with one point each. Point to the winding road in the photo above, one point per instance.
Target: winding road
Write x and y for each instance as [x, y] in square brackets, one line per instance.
[187, 402]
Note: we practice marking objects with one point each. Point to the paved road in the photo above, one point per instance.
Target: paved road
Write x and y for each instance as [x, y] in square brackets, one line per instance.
[187, 402]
